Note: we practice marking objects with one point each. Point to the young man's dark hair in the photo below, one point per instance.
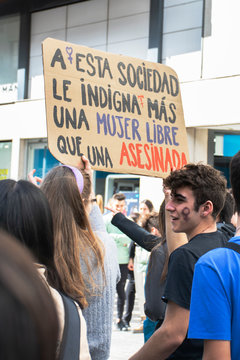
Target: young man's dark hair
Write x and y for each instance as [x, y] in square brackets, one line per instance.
[224, 219]
[119, 196]
[227, 210]
[206, 183]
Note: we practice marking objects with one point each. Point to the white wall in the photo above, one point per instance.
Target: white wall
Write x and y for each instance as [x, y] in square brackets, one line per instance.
[212, 102]
[221, 51]
[19, 121]
[152, 189]
[198, 145]
[23, 119]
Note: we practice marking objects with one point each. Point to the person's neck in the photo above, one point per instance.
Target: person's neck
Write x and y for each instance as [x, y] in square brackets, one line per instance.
[203, 228]
[237, 233]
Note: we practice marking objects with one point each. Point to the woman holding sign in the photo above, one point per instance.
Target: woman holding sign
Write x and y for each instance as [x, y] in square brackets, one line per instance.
[87, 264]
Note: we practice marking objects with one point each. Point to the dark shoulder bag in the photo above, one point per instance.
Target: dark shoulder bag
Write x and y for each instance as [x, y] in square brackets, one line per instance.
[233, 246]
[70, 344]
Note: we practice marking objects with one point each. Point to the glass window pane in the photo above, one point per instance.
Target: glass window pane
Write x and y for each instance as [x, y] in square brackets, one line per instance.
[40, 158]
[5, 159]
[9, 42]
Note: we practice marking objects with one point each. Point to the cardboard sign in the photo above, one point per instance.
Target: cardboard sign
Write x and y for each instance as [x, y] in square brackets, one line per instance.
[124, 114]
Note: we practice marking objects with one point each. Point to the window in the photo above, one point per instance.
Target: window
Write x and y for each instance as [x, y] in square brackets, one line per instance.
[9, 42]
[40, 158]
[5, 159]
[226, 146]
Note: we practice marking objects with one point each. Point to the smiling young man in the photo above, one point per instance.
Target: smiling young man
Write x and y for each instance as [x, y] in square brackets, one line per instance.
[215, 301]
[197, 196]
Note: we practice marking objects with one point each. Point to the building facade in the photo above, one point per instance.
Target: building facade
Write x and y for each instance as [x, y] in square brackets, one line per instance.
[197, 38]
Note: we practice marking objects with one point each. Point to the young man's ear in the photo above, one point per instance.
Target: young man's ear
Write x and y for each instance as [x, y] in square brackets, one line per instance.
[206, 208]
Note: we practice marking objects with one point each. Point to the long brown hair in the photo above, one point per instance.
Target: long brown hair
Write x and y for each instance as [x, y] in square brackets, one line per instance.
[26, 306]
[74, 238]
[162, 230]
[25, 213]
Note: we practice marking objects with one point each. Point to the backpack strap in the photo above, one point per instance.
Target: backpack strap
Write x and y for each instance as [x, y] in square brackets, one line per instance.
[70, 344]
[233, 246]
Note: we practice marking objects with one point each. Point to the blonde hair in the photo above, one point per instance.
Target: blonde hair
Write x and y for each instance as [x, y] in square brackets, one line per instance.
[73, 236]
[99, 199]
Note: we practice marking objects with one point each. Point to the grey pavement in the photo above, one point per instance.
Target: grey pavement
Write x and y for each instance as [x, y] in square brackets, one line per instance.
[125, 343]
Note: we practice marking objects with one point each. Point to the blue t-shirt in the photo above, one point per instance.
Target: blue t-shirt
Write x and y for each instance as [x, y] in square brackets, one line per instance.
[215, 299]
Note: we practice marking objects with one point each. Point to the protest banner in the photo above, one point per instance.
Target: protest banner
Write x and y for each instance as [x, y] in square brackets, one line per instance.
[124, 114]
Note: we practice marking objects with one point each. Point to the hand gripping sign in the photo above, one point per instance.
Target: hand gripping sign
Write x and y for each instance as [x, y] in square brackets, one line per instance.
[124, 114]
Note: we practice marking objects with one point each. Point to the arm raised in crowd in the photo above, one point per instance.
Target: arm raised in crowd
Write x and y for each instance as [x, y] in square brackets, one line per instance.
[135, 232]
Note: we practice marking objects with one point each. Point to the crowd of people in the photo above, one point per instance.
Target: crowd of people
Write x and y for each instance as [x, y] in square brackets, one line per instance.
[63, 261]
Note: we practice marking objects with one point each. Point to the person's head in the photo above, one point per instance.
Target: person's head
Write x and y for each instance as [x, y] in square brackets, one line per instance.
[72, 231]
[145, 207]
[162, 221]
[25, 213]
[135, 216]
[63, 193]
[235, 179]
[99, 200]
[118, 202]
[197, 196]
[150, 222]
[28, 316]
[227, 211]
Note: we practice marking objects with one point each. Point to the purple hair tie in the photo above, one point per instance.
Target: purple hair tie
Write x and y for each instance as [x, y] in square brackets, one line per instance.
[78, 177]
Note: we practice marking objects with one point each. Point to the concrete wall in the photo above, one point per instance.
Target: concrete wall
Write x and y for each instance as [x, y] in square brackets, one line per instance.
[197, 144]
[20, 121]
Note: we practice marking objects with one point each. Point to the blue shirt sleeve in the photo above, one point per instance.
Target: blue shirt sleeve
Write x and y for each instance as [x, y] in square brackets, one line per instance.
[210, 309]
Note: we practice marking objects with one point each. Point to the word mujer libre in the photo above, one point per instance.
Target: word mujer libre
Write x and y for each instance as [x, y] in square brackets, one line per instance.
[140, 76]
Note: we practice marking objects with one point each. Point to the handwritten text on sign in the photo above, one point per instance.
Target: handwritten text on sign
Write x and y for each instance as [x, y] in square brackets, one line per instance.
[124, 114]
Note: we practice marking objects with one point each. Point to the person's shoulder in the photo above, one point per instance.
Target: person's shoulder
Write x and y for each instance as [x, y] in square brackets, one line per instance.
[181, 249]
[107, 216]
[106, 239]
[159, 249]
[214, 257]
[208, 241]
[228, 230]
[180, 254]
